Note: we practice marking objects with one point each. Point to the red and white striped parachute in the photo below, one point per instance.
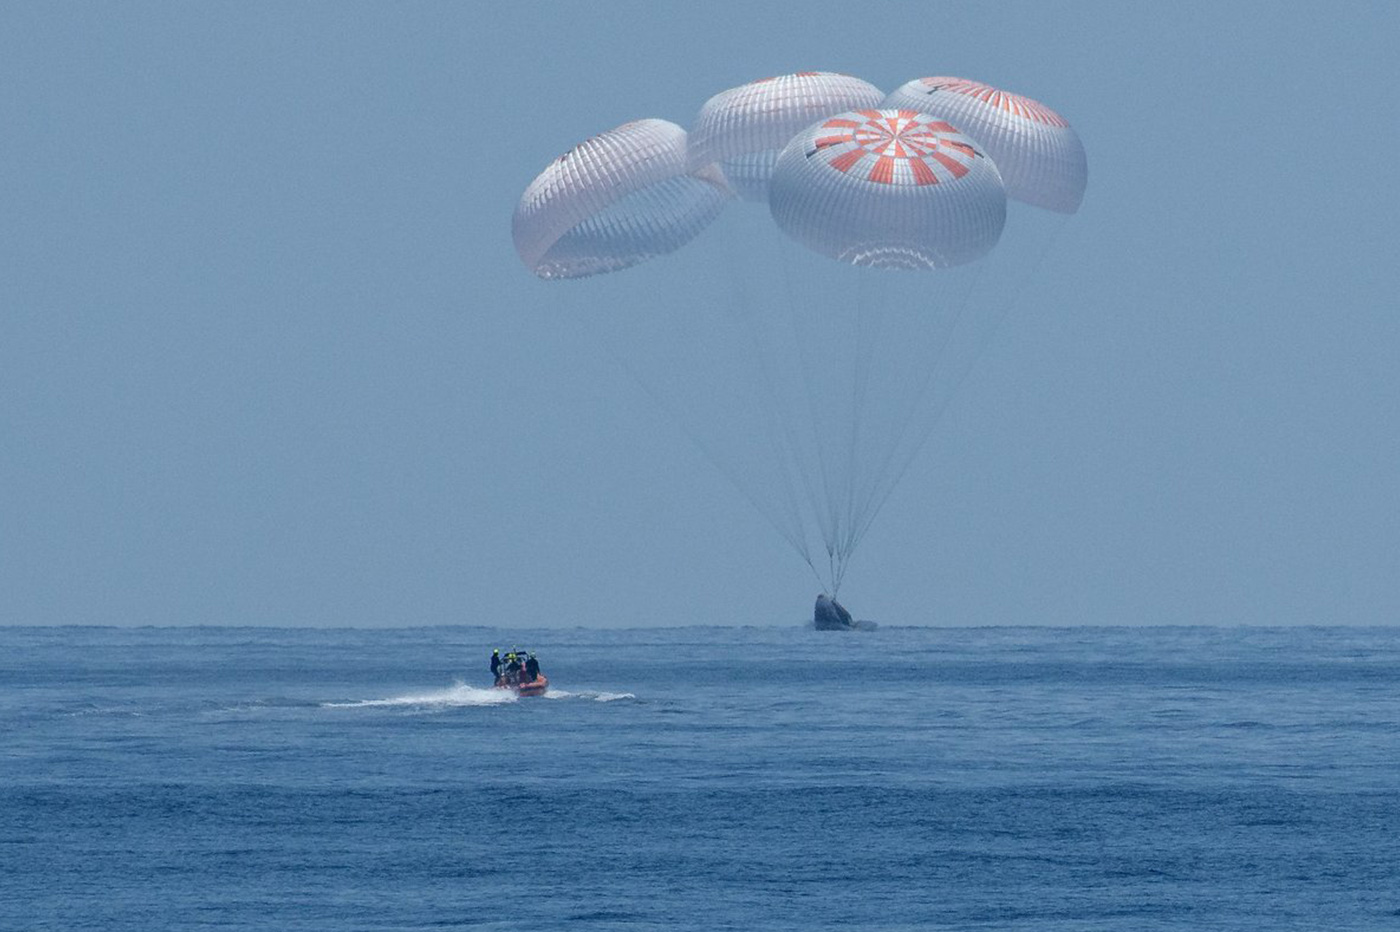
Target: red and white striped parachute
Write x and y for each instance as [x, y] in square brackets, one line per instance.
[889, 189]
[1038, 153]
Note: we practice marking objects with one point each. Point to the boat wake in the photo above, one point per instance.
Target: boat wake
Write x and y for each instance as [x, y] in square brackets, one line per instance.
[595, 696]
[459, 695]
[463, 695]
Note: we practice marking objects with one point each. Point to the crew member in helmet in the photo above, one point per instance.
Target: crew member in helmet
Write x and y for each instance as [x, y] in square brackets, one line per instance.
[532, 669]
[496, 664]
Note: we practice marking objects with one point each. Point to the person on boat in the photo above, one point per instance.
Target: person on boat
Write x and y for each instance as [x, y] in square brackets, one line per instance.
[512, 668]
[532, 669]
[496, 664]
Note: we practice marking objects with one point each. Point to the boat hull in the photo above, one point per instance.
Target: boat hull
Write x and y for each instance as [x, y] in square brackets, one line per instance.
[536, 687]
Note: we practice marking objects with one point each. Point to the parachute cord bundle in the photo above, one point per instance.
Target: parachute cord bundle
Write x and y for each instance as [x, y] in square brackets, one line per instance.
[676, 417]
[1014, 265]
[782, 442]
[899, 455]
[890, 353]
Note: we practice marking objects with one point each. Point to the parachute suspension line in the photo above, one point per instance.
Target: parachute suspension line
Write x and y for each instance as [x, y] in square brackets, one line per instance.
[864, 344]
[797, 459]
[797, 543]
[869, 339]
[1001, 307]
[780, 441]
[949, 301]
[859, 370]
[836, 424]
[803, 363]
[844, 458]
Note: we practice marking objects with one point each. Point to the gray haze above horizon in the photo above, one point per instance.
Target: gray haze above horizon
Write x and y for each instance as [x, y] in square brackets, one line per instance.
[268, 357]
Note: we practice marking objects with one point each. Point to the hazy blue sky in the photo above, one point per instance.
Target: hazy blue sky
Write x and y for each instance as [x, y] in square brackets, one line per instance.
[267, 355]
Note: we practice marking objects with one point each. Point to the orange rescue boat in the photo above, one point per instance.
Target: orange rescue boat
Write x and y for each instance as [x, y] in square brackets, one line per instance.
[516, 673]
[521, 686]
[535, 687]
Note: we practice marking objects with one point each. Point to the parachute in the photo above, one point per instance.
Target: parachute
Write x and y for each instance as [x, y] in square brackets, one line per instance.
[890, 189]
[1040, 156]
[618, 199]
[744, 128]
[811, 383]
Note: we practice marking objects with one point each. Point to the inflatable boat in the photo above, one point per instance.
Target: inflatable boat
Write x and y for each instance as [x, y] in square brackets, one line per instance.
[535, 687]
[514, 673]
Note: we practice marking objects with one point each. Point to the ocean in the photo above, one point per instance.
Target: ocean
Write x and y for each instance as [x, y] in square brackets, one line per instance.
[703, 778]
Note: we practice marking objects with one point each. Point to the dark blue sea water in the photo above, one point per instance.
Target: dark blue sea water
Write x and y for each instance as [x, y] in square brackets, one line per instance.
[701, 778]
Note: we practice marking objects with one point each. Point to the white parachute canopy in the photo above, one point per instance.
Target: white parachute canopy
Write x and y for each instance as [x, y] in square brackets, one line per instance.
[744, 128]
[620, 198]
